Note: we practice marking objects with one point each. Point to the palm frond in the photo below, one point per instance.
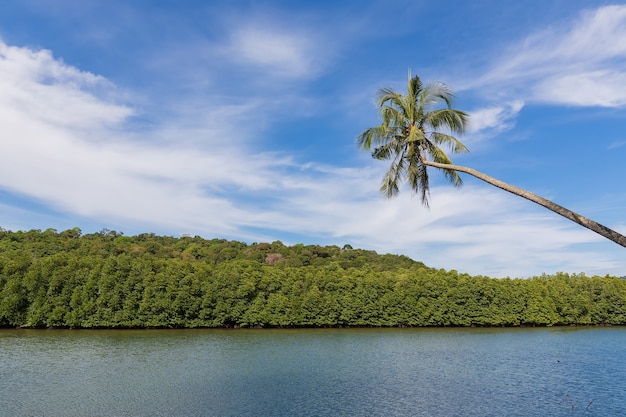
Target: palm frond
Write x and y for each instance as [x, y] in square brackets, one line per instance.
[443, 139]
[454, 120]
[388, 95]
[375, 136]
[415, 135]
[417, 177]
[438, 155]
[415, 85]
[385, 151]
[389, 186]
[393, 117]
[436, 92]
[368, 137]
[425, 184]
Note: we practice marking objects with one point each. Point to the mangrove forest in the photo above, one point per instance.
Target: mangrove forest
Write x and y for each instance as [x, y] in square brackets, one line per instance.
[109, 280]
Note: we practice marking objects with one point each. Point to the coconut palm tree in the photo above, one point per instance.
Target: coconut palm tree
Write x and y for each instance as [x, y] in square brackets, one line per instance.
[413, 129]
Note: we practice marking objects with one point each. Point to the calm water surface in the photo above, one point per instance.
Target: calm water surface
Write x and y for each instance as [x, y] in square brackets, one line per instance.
[339, 372]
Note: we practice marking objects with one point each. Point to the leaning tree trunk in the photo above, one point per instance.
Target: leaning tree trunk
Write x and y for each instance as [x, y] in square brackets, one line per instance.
[577, 218]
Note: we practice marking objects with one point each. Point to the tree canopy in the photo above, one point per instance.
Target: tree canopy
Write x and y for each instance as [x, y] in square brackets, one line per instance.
[101, 280]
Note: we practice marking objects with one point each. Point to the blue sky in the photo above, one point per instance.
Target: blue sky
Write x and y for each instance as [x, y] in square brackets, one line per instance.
[238, 119]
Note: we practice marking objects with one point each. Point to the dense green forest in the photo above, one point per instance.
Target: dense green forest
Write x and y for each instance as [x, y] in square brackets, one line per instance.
[106, 279]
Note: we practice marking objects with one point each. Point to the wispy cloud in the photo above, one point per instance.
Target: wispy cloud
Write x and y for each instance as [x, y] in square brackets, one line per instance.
[489, 121]
[617, 144]
[279, 53]
[64, 145]
[603, 88]
[578, 63]
[566, 65]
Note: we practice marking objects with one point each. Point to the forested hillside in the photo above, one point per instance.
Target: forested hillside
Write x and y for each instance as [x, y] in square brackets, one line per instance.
[106, 279]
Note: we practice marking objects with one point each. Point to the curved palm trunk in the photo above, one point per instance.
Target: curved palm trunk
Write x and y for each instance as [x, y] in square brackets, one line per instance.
[577, 218]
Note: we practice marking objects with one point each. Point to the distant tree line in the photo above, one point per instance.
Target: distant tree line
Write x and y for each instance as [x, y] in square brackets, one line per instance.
[106, 279]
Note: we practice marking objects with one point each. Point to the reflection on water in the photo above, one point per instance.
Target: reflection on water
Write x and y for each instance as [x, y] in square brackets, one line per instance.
[322, 372]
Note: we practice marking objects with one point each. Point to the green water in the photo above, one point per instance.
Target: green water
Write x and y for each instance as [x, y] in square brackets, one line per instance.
[338, 372]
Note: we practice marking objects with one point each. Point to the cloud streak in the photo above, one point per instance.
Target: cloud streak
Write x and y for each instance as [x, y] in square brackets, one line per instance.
[577, 63]
[565, 65]
[284, 54]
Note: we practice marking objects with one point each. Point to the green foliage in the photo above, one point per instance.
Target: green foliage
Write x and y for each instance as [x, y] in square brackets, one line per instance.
[106, 279]
[413, 126]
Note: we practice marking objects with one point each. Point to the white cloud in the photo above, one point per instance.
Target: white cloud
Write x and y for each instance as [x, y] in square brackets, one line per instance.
[286, 54]
[600, 34]
[489, 121]
[275, 52]
[34, 83]
[580, 63]
[600, 88]
[574, 63]
[48, 121]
